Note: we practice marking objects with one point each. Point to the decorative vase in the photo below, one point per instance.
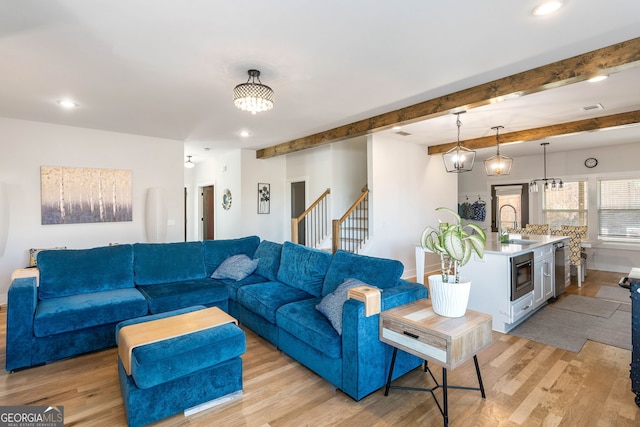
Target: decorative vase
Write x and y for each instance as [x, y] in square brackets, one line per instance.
[447, 298]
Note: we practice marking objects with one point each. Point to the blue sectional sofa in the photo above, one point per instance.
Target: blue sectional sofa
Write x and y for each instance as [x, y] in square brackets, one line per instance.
[83, 294]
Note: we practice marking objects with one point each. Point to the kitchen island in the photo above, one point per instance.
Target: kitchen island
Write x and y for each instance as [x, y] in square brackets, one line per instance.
[495, 287]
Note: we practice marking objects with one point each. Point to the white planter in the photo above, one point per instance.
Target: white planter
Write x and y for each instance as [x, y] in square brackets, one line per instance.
[449, 299]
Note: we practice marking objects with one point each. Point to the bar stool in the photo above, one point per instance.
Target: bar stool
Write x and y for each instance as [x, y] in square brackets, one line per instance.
[576, 234]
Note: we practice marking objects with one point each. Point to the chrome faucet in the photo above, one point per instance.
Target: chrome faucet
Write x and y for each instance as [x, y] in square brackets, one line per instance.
[515, 216]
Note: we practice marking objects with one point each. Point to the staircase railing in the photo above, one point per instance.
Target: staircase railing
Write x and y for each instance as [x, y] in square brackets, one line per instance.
[315, 220]
[351, 231]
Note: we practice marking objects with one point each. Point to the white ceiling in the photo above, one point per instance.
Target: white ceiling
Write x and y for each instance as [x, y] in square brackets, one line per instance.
[167, 68]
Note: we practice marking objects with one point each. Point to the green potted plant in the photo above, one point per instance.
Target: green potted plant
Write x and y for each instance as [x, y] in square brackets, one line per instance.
[454, 243]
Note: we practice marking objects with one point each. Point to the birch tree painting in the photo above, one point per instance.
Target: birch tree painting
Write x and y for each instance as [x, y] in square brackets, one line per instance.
[81, 195]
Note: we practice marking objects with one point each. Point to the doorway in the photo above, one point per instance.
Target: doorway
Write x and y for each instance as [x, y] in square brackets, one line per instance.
[298, 201]
[208, 203]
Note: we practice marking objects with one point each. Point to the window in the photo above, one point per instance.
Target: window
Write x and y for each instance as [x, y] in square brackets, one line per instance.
[567, 206]
[619, 209]
[509, 207]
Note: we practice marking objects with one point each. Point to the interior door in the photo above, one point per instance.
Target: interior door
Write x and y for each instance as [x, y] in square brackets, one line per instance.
[298, 206]
[208, 203]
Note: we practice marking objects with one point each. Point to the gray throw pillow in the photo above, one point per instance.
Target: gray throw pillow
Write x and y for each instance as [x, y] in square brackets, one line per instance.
[331, 304]
[236, 268]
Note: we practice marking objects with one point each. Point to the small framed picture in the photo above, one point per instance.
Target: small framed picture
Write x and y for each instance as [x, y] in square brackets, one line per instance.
[264, 198]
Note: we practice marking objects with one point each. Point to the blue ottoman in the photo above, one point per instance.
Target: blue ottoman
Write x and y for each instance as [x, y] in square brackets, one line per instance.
[178, 373]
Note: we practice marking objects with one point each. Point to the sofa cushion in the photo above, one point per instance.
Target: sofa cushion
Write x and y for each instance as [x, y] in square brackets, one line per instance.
[171, 296]
[379, 272]
[156, 263]
[236, 267]
[234, 285]
[69, 272]
[216, 251]
[303, 268]
[301, 319]
[268, 256]
[57, 315]
[266, 298]
[331, 304]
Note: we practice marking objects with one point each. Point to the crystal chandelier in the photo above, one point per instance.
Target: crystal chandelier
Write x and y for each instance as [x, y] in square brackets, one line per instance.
[459, 159]
[252, 96]
[498, 164]
[547, 183]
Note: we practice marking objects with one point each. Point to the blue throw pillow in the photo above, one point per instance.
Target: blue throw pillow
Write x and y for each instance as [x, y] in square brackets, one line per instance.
[331, 304]
[237, 267]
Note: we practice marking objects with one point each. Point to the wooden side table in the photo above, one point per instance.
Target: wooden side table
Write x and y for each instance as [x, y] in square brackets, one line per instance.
[446, 341]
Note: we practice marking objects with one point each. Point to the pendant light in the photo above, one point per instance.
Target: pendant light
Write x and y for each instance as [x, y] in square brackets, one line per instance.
[498, 164]
[189, 164]
[459, 159]
[252, 96]
[547, 183]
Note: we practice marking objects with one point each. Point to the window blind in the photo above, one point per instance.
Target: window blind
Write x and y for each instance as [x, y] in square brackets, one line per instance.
[619, 209]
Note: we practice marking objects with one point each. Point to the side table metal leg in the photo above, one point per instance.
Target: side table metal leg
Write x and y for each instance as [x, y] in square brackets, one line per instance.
[475, 360]
[393, 362]
[445, 401]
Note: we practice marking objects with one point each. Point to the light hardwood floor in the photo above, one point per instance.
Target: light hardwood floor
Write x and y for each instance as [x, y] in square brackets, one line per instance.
[526, 383]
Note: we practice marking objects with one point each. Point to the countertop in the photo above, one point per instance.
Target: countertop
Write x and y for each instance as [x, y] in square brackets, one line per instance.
[495, 247]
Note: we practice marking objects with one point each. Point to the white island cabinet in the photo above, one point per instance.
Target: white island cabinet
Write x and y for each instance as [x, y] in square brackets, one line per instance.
[491, 278]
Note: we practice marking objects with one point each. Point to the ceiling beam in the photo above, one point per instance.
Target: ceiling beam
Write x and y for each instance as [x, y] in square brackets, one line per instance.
[586, 125]
[607, 60]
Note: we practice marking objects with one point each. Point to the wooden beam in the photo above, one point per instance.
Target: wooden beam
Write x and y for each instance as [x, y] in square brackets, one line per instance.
[585, 125]
[607, 60]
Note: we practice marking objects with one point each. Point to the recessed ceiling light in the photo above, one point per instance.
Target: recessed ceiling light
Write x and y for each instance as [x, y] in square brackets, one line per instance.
[597, 78]
[67, 103]
[396, 128]
[546, 8]
[245, 133]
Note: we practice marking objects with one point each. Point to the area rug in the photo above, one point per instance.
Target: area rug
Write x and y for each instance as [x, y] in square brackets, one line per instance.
[616, 293]
[587, 305]
[568, 325]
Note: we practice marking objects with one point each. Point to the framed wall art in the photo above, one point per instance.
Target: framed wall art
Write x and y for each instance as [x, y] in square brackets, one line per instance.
[72, 195]
[264, 198]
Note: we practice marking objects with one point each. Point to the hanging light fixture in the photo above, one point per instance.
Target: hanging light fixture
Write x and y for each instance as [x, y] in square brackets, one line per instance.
[547, 183]
[189, 164]
[498, 164]
[252, 96]
[459, 159]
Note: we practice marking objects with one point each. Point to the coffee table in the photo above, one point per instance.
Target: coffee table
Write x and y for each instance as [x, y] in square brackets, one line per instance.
[446, 341]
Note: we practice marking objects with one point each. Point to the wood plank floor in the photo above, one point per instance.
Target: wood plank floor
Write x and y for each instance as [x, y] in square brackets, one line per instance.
[527, 384]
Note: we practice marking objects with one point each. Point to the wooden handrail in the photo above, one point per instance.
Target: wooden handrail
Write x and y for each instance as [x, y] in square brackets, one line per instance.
[336, 224]
[314, 204]
[365, 192]
[317, 224]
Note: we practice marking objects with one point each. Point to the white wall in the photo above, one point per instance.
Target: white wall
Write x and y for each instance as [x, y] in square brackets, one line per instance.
[315, 167]
[349, 174]
[240, 172]
[619, 161]
[340, 166]
[273, 226]
[26, 146]
[407, 185]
